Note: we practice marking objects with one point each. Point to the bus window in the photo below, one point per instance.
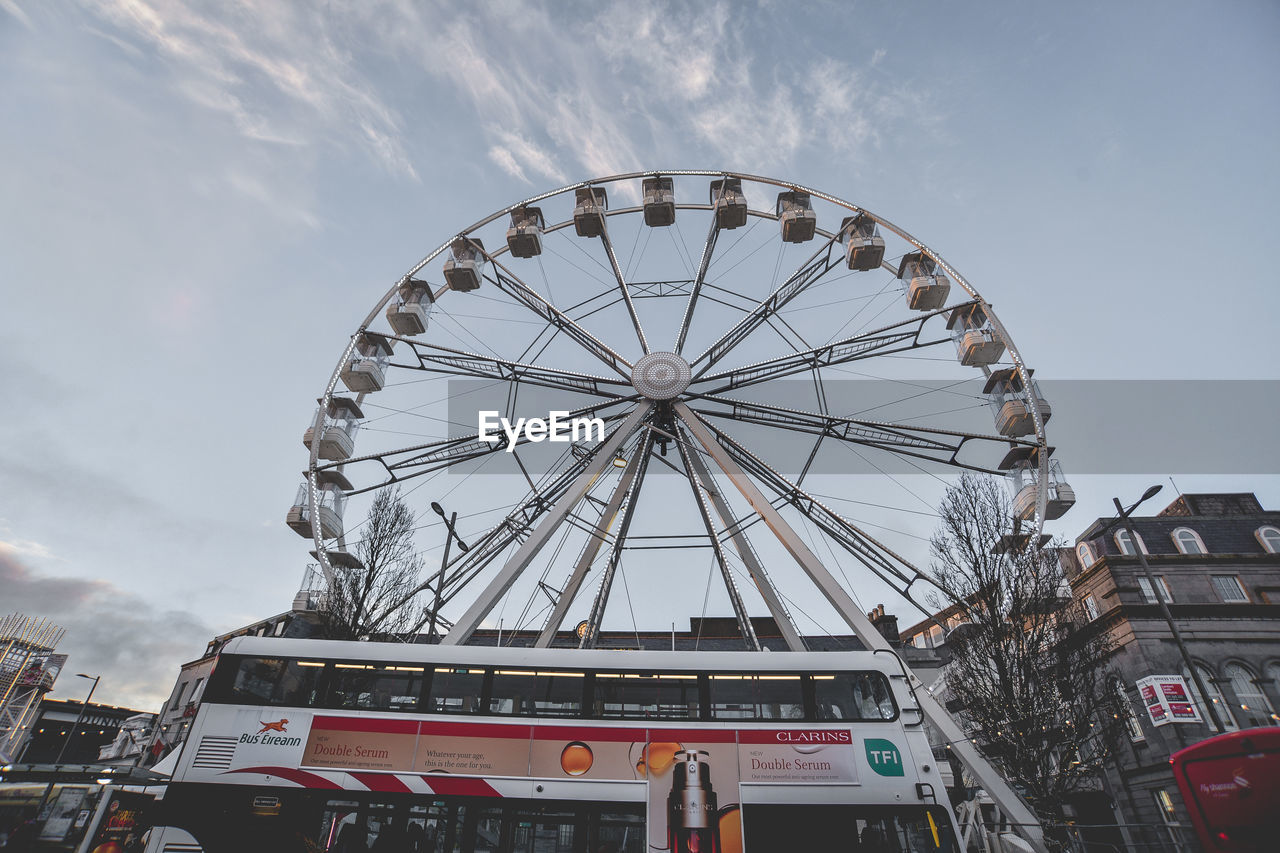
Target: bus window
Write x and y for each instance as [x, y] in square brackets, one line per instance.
[542, 694]
[456, 690]
[756, 697]
[276, 681]
[853, 696]
[381, 688]
[666, 696]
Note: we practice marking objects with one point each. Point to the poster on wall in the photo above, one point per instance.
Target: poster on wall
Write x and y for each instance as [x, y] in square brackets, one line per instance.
[124, 820]
[1168, 700]
[693, 791]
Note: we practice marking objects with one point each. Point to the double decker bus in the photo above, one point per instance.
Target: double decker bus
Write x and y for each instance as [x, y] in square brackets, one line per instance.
[309, 745]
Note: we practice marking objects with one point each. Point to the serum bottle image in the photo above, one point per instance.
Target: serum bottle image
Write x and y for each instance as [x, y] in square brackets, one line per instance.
[692, 815]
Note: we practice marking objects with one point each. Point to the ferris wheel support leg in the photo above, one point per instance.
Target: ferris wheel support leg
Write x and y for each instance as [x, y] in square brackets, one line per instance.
[592, 548]
[748, 556]
[1028, 825]
[524, 555]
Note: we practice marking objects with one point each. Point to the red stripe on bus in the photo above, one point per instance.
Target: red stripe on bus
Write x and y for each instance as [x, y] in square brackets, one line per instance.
[441, 784]
[588, 733]
[693, 735]
[299, 777]
[495, 730]
[383, 783]
[365, 724]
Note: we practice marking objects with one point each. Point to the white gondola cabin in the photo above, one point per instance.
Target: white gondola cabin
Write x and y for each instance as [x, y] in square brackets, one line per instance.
[366, 371]
[864, 248]
[729, 203]
[524, 237]
[462, 271]
[1022, 465]
[589, 205]
[659, 202]
[795, 213]
[977, 343]
[1011, 403]
[407, 314]
[338, 430]
[331, 486]
[927, 286]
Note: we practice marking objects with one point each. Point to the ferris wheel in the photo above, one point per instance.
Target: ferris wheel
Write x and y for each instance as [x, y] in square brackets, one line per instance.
[764, 375]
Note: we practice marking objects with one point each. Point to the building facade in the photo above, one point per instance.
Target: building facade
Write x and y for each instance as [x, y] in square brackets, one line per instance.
[1216, 563]
[79, 732]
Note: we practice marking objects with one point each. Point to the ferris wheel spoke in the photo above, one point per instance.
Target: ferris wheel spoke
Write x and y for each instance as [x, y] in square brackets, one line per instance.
[511, 284]
[622, 287]
[928, 443]
[410, 462]
[700, 490]
[601, 600]
[897, 337]
[600, 456]
[747, 554]
[433, 358]
[598, 536]
[812, 270]
[738, 462]
[708, 249]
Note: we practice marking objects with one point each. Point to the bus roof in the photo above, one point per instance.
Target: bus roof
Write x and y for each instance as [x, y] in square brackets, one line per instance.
[565, 658]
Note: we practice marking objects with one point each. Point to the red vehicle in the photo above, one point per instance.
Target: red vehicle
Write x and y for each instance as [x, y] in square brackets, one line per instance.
[1231, 785]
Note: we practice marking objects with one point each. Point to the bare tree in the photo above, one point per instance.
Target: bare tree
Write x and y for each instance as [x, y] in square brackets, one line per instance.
[368, 602]
[1029, 672]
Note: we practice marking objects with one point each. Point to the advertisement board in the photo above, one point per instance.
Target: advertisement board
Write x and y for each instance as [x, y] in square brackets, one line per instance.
[1168, 700]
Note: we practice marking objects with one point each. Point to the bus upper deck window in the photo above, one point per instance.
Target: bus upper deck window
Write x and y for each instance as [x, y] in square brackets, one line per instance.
[456, 690]
[666, 696]
[756, 697]
[377, 687]
[853, 696]
[542, 694]
[276, 681]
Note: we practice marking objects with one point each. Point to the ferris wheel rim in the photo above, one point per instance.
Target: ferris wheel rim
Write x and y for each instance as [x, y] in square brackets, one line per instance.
[1023, 372]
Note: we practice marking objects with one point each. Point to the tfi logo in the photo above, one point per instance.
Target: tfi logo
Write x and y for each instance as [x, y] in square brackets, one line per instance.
[883, 757]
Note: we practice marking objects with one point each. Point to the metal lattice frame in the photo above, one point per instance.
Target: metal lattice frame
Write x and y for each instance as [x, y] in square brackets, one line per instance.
[698, 419]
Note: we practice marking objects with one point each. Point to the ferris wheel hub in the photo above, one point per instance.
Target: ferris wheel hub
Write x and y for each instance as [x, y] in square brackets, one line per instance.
[661, 376]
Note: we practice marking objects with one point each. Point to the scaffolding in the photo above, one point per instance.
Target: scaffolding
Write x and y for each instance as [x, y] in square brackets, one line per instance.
[28, 668]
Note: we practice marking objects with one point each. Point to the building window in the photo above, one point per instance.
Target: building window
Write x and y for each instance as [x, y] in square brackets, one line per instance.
[1091, 607]
[1150, 594]
[1188, 541]
[1255, 709]
[177, 696]
[1125, 544]
[1085, 553]
[1229, 589]
[1273, 673]
[1270, 538]
[1215, 697]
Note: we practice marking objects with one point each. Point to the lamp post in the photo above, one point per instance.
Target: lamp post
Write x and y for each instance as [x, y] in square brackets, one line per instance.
[84, 707]
[1122, 518]
[449, 521]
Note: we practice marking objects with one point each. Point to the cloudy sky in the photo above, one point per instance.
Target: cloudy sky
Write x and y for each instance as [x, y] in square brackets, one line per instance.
[198, 203]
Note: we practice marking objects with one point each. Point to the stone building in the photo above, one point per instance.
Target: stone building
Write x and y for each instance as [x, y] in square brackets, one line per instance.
[1216, 562]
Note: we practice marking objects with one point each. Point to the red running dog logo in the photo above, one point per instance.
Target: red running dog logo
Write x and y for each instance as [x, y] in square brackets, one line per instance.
[278, 726]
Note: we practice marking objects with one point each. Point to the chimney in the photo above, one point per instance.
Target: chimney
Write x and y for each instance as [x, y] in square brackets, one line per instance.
[886, 624]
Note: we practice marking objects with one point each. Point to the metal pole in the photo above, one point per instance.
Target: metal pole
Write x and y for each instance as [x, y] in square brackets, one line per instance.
[444, 561]
[1158, 592]
[84, 707]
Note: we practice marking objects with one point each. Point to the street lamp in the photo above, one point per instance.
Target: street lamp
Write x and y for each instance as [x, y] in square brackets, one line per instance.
[84, 707]
[1122, 518]
[449, 538]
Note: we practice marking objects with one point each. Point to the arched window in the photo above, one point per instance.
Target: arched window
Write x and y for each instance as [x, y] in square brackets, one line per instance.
[1273, 673]
[1215, 696]
[1085, 553]
[1255, 708]
[1125, 544]
[1188, 541]
[1270, 538]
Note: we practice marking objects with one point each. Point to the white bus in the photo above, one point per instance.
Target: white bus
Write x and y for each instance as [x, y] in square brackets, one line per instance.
[310, 745]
